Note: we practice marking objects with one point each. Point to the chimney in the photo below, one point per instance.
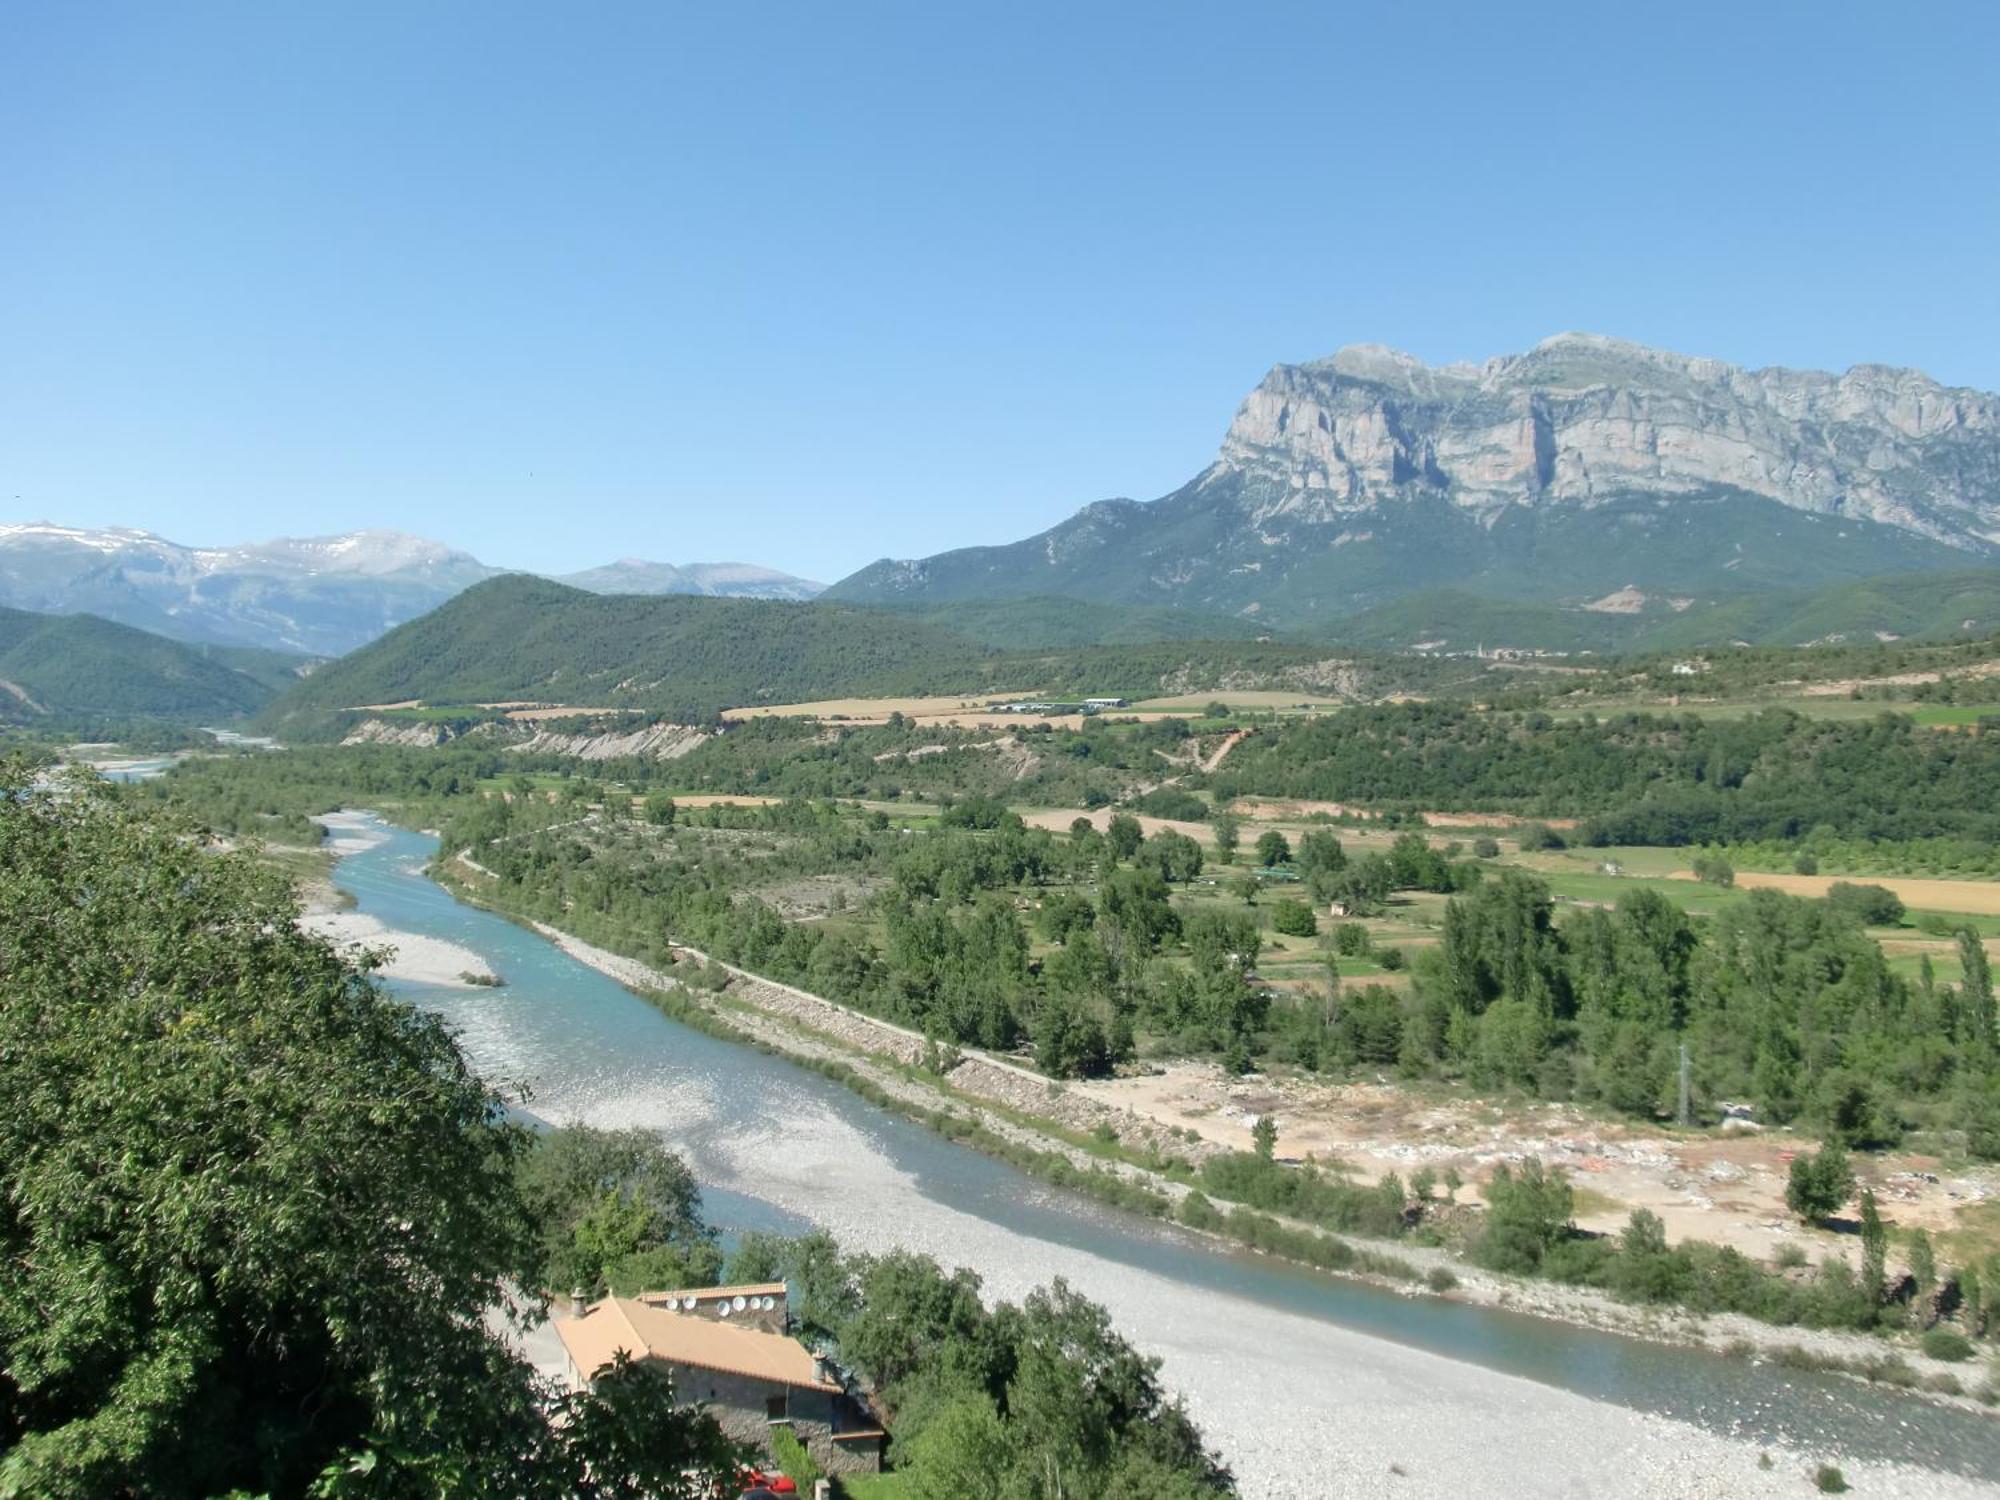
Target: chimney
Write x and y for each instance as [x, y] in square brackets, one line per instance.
[579, 1302]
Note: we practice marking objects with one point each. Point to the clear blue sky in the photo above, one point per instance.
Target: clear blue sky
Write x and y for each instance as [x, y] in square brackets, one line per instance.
[812, 284]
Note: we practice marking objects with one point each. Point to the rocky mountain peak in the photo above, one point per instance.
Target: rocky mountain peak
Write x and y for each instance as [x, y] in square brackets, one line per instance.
[1581, 419]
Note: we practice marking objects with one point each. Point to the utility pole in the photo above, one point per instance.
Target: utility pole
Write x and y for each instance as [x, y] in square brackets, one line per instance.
[1686, 1115]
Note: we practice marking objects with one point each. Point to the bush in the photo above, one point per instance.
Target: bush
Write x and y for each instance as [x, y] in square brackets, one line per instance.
[1870, 905]
[1485, 847]
[1947, 1344]
[1828, 1480]
[797, 1464]
[1819, 1183]
[1172, 802]
[1350, 939]
[1713, 869]
[1806, 864]
[1440, 1280]
[1293, 918]
[1534, 836]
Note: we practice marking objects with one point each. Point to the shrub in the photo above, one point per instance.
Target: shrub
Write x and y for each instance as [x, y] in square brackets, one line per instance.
[1293, 918]
[1440, 1279]
[1350, 939]
[1819, 1183]
[1485, 847]
[1533, 836]
[792, 1457]
[1713, 869]
[1806, 864]
[1871, 905]
[1828, 1480]
[1947, 1344]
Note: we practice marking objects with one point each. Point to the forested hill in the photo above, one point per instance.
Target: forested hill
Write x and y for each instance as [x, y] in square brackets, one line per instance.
[67, 667]
[518, 637]
[521, 638]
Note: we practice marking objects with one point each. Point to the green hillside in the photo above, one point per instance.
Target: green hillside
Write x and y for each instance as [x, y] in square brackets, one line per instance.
[679, 656]
[1049, 621]
[1928, 606]
[57, 667]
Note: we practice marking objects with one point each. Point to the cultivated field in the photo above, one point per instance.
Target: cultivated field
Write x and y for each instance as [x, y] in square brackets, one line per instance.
[1979, 897]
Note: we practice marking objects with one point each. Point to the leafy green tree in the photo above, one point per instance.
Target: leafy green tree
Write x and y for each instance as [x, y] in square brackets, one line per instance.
[964, 1452]
[1320, 852]
[1874, 1246]
[1293, 918]
[1923, 1277]
[1273, 848]
[1820, 1183]
[257, 1210]
[1870, 905]
[615, 1206]
[1264, 1136]
[1975, 991]
[1527, 1215]
[1124, 834]
[1228, 834]
[1713, 869]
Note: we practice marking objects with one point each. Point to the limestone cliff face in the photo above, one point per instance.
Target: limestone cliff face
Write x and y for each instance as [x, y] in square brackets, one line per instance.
[1581, 419]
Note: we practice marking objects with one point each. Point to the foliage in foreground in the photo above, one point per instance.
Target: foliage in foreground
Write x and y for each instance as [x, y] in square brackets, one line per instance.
[255, 1211]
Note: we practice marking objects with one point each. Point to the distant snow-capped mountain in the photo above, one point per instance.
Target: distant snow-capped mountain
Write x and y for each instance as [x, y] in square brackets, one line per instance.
[320, 596]
[723, 580]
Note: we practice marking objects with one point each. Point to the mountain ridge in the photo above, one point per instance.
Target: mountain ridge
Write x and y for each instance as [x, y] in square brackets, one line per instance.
[316, 596]
[1343, 483]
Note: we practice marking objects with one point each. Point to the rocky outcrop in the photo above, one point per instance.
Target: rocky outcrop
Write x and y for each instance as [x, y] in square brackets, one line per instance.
[654, 742]
[1579, 419]
[1559, 476]
[417, 736]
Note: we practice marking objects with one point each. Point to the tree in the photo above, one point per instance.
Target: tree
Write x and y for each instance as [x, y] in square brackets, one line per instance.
[1273, 848]
[962, 1453]
[1820, 1183]
[1228, 833]
[1975, 1007]
[1124, 834]
[1527, 1214]
[1264, 1137]
[1713, 869]
[257, 1210]
[1293, 918]
[615, 1208]
[1874, 1246]
[660, 810]
[1870, 905]
[1924, 1277]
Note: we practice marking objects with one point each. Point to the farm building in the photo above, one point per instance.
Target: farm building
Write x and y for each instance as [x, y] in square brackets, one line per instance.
[749, 1375]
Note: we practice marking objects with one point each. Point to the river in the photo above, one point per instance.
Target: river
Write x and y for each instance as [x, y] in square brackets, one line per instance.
[1310, 1385]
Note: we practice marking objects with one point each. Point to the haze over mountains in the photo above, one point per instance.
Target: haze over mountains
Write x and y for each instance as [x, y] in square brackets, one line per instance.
[1584, 468]
[320, 596]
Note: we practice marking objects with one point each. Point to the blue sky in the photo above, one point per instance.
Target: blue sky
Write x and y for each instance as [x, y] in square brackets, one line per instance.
[808, 285]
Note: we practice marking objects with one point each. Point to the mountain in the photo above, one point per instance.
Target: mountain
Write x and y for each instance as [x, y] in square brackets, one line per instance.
[725, 580]
[523, 638]
[1555, 477]
[319, 596]
[69, 667]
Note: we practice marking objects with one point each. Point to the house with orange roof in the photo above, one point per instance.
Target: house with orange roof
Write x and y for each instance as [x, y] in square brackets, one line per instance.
[750, 1376]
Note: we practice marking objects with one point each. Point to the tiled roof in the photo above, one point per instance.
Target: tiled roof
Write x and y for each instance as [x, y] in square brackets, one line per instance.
[626, 1325]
